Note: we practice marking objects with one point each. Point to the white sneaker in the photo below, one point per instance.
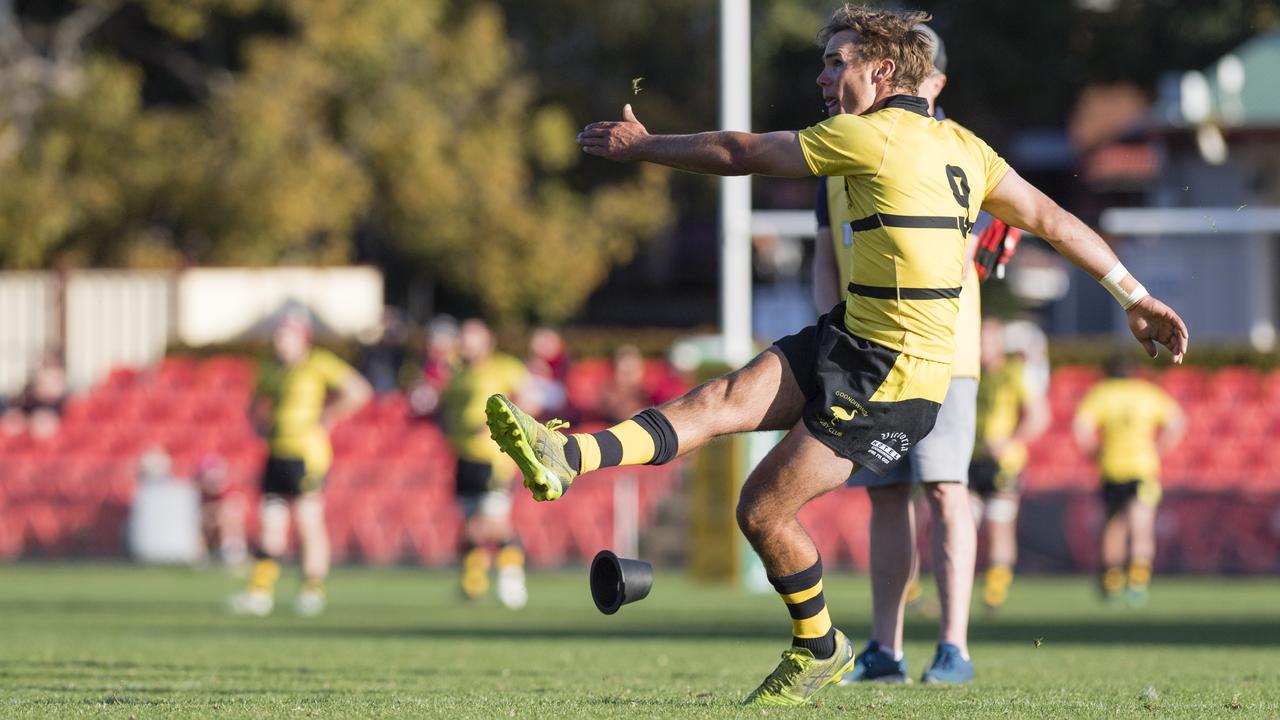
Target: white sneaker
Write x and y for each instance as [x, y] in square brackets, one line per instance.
[309, 603]
[511, 589]
[251, 602]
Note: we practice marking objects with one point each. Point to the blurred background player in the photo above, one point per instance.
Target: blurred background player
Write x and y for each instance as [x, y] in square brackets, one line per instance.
[484, 475]
[222, 512]
[1012, 412]
[939, 463]
[294, 412]
[1126, 424]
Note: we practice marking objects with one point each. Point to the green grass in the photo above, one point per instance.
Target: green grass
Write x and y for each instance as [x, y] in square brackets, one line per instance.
[118, 642]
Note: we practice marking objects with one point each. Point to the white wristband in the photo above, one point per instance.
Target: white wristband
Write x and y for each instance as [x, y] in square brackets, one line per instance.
[1111, 281]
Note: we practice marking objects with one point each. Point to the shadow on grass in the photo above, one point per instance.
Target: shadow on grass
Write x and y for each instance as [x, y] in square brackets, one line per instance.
[1238, 631]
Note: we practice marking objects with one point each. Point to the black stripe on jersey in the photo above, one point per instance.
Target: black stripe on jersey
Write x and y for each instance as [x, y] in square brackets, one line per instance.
[889, 293]
[930, 222]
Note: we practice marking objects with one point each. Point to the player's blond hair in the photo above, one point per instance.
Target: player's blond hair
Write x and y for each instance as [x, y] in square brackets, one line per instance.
[891, 34]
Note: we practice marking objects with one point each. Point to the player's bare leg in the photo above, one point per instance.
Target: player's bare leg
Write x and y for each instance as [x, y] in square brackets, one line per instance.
[313, 539]
[764, 395]
[1115, 536]
[893, 558]
[273, 539]
[1142, 549]
[955, 546]
[799, 469]
[1002, 540]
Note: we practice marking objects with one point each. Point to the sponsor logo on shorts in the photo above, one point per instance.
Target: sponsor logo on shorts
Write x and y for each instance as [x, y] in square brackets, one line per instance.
[890, 447]
[884, 453]
[899, 439]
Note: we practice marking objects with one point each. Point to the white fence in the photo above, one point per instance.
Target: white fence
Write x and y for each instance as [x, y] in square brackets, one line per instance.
[107, 318]
[27, 325]
[116, 318]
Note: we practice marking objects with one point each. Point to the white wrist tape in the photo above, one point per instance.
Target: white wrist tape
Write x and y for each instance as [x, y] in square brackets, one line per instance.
[1111, 281]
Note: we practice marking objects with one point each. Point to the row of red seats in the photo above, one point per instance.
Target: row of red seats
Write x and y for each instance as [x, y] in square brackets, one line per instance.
[369, 518]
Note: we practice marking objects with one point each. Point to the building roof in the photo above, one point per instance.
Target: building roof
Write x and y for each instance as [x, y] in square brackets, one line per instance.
[1240, 89]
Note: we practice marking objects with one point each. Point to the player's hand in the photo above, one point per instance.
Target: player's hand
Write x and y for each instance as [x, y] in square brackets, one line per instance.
[1151, 322]
[616, 140]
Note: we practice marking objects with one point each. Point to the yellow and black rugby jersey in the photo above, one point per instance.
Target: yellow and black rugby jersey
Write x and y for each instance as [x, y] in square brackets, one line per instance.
[1002, 394]
[913, 186]
[833, 213]
[463, 400]
[1128, 413]
[298, 397]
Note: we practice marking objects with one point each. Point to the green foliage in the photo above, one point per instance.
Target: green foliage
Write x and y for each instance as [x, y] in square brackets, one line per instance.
[407, 120]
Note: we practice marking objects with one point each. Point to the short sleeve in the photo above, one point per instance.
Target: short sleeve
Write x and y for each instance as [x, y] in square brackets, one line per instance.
[995, 166]
[821, 210]
[1088, 409]
[332, 369]
[848, 145]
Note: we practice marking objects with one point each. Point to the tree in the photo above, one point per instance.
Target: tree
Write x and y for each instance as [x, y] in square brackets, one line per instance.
[406, 119]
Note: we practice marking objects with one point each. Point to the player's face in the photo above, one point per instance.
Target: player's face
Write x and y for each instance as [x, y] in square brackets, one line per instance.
[845, 79]
[475, 341]
[291, 342]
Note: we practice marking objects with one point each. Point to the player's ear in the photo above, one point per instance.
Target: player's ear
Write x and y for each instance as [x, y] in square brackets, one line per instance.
[883, 70]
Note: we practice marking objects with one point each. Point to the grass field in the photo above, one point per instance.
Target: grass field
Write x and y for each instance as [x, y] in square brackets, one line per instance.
[108, 641]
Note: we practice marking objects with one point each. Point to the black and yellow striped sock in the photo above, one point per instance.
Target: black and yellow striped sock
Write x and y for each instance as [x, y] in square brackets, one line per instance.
[646, 439]
[810, 622]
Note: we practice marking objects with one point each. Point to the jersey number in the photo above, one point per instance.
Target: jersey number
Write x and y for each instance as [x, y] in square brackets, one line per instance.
[959, 183]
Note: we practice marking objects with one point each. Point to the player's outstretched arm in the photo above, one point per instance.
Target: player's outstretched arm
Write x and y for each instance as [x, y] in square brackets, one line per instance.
[710, 153]
[1019, 203]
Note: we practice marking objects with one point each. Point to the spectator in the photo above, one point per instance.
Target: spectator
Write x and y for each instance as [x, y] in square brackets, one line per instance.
[37, 410]
[442, 358]
[548, 365]
[625, 394]
[385, 355]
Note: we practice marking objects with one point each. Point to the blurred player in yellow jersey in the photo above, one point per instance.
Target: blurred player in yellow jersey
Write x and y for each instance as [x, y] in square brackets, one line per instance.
[300, 398]
[1126, 424]
[1011, 414]
[484, 474]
